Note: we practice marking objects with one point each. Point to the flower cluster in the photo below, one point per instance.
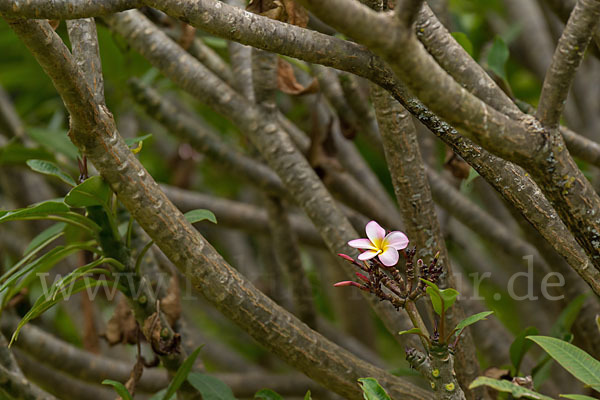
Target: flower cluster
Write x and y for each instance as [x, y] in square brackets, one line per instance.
[383, 278]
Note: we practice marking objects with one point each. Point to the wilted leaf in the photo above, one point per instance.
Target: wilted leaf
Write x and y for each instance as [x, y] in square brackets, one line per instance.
[287, 83]
[170, 305]
[295, 13]
[122, 326]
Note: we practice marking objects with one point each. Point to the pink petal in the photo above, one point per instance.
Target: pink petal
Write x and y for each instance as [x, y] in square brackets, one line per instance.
[361, 244]
[397, 240]
[375, 232]
[389, 257]
[367, 255]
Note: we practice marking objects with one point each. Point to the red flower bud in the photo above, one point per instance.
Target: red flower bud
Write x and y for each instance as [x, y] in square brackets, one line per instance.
[346, 283]
[346, 257]
[362, 277]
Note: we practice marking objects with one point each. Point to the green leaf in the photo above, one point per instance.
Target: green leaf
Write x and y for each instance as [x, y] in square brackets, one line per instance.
[54, 140]
[447, 297]
[471, 320]
[159, 395]
[119, 388]
[579, 363]
[576, 397]
[307, 396]
[16, 153]
[54, 209]
[210, 387]
[507, 387]
[45, 237]
[567, 317]
[43, 303]
[267, 394]
[372, 390]
[598, 322]
[38, 210]
[134, 141]
[464, 41]
[49, 168]
[497, 57]
[182, 374]
[92, 192]
[413, 331]
[41, 265]
[520, 346]
[200, 214]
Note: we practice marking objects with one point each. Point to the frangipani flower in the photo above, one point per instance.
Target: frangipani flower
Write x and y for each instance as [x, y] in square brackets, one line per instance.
[379, 244]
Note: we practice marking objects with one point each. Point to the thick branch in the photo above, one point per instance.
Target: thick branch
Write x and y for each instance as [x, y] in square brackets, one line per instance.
[270, 139]
[63, 9]
[567, 57]
[86, 53]
[270, 325]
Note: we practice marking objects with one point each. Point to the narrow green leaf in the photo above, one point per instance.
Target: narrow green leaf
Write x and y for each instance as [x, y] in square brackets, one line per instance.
[464, 41]
[119, 388]
[267, 394]
[471, 320]
[520, 346]
[134, 141]
[577, 397]
[413, 331]
[567, 317]
[159, 395]
[55, 140]
[497, 57]
[182, 374]
[45, 237]
[92, 192]
[372, 390]
[508, 387]
[16, 153]
[49, 168]
[210, 387]
[200, 214]
[43, 303]
[308, 396]
[579, 363]
[39, 210]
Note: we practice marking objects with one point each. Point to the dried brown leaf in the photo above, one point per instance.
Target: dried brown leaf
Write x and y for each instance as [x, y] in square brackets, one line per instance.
[188, 33]
[162, 339]
[282, 10]
[287, 83]
[54, 23]
[170, 305]
[456, 165]
[122, 327]
[296, 14]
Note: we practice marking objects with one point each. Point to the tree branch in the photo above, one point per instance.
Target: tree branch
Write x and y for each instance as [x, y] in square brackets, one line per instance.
[93, 130]
[64, 9]
[567, 57]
